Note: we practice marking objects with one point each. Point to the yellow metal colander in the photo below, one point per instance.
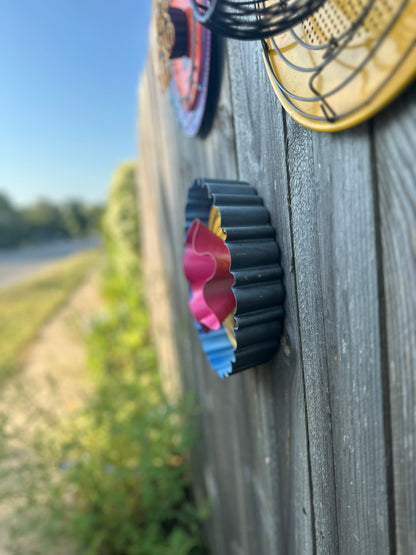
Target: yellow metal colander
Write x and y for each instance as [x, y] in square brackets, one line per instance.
[345, 62]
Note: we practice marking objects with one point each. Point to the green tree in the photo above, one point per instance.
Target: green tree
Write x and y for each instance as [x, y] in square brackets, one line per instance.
[10, 224]
[120, 222]
[42, 221]
[94, 216]
[74, 218]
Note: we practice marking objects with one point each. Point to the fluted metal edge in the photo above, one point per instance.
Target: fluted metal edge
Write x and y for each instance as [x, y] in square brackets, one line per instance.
[255, 265]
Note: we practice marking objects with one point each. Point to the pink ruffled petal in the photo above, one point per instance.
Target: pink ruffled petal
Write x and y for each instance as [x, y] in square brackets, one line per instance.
[207, 268]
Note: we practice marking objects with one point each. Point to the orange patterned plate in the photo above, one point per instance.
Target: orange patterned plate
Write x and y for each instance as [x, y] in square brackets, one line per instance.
[187, 70]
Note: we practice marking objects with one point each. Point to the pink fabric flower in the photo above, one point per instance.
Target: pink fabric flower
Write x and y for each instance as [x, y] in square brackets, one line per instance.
[206, 265]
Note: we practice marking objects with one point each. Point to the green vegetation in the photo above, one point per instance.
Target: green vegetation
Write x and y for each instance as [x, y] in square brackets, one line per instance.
[44, 221]
[123, 485]
[121, 226]
[24, 308]
[9, 219]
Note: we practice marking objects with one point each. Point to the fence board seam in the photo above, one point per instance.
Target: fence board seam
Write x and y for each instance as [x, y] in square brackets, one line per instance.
[293, 269]
[384, 349]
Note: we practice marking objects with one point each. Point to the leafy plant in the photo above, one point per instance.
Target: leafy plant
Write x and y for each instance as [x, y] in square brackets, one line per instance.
[39, 297]
[116, 478]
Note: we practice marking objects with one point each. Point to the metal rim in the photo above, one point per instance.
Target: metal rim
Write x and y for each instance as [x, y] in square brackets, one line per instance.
[203, 17]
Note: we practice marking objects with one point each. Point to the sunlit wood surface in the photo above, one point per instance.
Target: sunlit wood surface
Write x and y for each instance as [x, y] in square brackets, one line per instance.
[316, 451]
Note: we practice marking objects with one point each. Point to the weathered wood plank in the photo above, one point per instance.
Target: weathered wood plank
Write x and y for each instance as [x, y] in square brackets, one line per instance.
[395, 148]
[327, 174]
[279, 386]
[251, 505]
[226, 463]
[159, 240]
[294, 455]
[154, 268]
[167, 184]
[333, 226]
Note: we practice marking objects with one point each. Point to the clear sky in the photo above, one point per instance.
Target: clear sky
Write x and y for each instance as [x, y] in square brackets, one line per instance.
[69, 72]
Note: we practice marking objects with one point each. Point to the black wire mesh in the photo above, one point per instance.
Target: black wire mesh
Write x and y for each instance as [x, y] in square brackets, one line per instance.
[252, 20]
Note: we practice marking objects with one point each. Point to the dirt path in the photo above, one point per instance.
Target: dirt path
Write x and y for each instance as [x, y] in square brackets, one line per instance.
[53, 382]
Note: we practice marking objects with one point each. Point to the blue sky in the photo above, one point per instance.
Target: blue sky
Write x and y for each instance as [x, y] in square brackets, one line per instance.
[69, 72]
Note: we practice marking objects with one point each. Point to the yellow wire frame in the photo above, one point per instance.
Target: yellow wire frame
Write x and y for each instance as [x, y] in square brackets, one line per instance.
[387, 73]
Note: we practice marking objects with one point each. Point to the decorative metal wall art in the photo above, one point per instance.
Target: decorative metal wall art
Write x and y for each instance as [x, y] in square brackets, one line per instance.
[251, 20]
[345, 62]
[235, 279]
[332, 63]
[183, 56]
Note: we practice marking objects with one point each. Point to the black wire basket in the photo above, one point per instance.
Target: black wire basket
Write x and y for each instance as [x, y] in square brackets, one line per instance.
[251, 20]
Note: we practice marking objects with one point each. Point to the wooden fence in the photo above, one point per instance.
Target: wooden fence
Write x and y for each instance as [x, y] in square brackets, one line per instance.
[316, 451]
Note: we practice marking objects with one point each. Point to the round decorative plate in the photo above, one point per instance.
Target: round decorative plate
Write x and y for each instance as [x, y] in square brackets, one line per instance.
[345, 62]
[190, 74]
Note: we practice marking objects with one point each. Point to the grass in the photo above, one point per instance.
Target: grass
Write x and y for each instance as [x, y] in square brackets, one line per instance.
[25, 307]
[114, 476]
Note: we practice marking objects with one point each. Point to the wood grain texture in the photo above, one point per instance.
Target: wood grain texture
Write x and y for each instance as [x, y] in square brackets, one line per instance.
[231, 466]
[330, 190]
[333, 227]
[294, 456]
[395, 148]
[154, 268]
[261, 153]
[174, 159]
